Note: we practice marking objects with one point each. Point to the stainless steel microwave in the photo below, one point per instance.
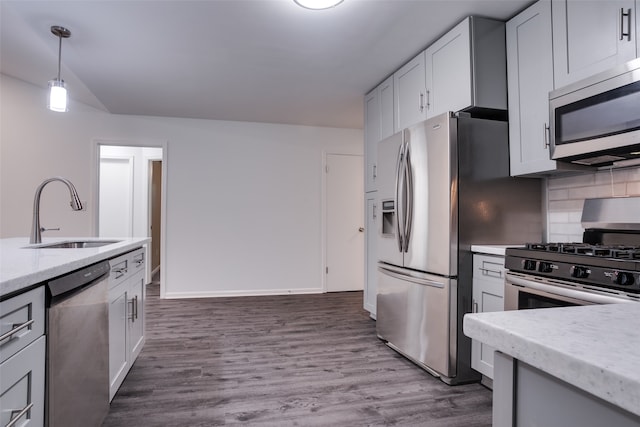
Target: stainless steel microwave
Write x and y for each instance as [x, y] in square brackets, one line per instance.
[596, 121]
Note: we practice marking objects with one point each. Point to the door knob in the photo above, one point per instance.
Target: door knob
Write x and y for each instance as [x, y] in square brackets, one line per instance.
[361, 229]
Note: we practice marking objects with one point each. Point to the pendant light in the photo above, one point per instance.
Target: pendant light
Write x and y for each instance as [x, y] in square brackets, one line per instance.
[318, 4]
[57, 90]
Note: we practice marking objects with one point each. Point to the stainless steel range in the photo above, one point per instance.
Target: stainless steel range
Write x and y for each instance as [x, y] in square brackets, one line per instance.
[603, 268]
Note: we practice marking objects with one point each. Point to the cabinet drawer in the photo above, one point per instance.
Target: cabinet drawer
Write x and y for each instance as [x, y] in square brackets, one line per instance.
[22, 386]
[488, 267]
[119, 270]
[137, 260]
[21, 321]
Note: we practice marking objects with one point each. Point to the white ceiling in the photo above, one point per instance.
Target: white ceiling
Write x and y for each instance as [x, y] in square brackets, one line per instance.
[247, 60]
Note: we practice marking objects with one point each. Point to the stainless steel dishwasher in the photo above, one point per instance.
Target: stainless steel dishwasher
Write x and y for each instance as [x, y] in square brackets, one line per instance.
[78, 348]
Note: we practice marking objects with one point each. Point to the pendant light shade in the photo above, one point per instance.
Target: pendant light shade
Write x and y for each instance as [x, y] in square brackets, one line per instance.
[318, 4]
[57, 96]
[57, 91]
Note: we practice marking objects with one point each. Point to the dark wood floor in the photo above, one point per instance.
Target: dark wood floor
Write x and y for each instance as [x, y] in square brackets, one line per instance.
[299, 360]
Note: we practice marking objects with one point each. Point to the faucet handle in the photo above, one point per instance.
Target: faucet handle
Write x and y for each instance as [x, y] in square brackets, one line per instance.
[49, 229]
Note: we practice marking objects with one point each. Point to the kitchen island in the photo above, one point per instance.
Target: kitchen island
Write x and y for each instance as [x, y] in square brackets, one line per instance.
[39, 328]
[564, 366]
[23, 266]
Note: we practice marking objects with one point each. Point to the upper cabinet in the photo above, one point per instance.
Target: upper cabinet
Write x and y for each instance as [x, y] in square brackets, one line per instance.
[409, 91]
[465, 68]
[378, 124]
[530, 70]
[591, 36]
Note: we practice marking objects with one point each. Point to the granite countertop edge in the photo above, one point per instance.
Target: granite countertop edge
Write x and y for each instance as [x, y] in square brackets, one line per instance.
[589, 347]
[23, 267]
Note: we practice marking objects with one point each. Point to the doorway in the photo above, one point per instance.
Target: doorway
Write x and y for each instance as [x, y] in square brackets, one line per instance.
[130, 194]
[344, 219]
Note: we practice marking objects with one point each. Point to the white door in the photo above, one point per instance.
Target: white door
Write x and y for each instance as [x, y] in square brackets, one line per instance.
[344, 218]
[116, 197]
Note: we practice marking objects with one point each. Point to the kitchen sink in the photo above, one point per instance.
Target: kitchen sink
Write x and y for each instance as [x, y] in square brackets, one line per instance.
[75, 244]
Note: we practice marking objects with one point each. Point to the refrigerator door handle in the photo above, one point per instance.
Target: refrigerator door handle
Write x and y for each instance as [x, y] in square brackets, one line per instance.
[408, 214]
[410, 276]
[398, 196]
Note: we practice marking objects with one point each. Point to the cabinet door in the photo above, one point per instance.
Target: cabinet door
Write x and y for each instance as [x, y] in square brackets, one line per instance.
[409, 92]
[119, 360]
[386, 108]
[136, 297]
[591, 36]
[448, 71]
[371, 257]
[22, 386]
[530, 79]
[371, 137]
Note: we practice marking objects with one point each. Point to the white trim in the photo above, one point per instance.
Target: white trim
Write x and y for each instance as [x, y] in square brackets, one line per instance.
[144, 142]
[225, 294]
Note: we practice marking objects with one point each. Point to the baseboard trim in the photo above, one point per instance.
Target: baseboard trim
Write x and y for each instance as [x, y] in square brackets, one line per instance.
[247, 293]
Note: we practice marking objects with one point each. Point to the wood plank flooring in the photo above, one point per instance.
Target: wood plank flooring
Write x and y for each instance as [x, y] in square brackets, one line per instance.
[299, 360]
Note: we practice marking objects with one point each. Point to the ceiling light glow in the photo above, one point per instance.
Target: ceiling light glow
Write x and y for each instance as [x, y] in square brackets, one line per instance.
[318, 4]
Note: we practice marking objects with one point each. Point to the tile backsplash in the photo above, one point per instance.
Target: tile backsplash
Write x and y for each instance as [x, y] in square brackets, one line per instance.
[566, 196]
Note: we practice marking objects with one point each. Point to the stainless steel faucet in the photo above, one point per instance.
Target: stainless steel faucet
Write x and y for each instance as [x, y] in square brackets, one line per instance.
[76, 205]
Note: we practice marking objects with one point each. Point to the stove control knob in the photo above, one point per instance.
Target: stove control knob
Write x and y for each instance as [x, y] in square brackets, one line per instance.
[545, 267]
[580, 272]
[623, 279]
[529, 264]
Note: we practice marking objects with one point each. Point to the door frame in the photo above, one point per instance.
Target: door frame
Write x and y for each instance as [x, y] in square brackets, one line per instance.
[323, 222]
[95, 176]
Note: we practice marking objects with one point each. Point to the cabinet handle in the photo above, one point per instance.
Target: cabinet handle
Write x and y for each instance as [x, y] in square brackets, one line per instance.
[428, 99]
[488, 271]
[16, 414]
[475, 307]
[547, 135]
[375, 171]
[136, 306]
[375, 208]
[131, 314]
[119, 272]
[622, 32]
[16, 329]
[421, 102]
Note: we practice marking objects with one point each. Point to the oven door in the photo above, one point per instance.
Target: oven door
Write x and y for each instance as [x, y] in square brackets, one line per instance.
[523, 291]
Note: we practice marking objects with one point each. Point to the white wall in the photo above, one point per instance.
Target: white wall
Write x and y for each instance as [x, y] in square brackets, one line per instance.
[566, 196]
[243, 199]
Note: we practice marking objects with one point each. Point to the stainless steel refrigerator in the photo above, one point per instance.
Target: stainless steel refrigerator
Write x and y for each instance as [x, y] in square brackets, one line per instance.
[444, 185]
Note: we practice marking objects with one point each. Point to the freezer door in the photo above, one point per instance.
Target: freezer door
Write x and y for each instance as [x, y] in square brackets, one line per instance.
[387, 221]
[433, 215]
[413, 316]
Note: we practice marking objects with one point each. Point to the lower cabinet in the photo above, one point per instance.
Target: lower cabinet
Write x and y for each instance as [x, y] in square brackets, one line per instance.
[488, 295]
[22, 359]
[126, 316]
[371, 255]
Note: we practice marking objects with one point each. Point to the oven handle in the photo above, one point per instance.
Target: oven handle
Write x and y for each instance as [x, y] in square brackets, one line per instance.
[558, 290]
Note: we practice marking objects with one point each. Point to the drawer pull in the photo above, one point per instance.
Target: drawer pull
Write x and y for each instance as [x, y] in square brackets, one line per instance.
[119, 272]
[16, 329]
[489, 272]
[16, 414]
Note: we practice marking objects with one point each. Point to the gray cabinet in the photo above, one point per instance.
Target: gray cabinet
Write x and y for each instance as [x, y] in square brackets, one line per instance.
[465, 68]
[591, 36]
[409, 93]
[371, 256]
[126, 315]
[22, 359]
[531, 78]
[488, 295]
[371, 137]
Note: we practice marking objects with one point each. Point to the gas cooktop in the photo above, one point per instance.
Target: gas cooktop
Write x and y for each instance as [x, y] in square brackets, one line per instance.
[604, 251]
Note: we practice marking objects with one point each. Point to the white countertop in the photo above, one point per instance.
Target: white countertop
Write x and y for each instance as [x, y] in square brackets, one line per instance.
[595, 348]
[22, 267]
[492, 249]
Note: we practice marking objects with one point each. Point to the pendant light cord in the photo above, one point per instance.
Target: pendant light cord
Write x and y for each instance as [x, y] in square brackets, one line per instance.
[59, 54]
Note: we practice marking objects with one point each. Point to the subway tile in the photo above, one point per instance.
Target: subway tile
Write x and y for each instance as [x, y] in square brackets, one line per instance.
[597, 191]
[633, 189]
[571, 181]
[559, 217]
[565, 205]
[559, 194]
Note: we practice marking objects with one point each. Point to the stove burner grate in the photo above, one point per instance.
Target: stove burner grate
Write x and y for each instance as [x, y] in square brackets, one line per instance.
[602, 251]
